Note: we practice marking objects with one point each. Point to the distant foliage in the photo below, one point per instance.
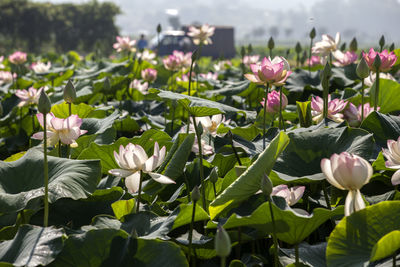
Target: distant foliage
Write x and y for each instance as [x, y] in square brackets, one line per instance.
[42, 27]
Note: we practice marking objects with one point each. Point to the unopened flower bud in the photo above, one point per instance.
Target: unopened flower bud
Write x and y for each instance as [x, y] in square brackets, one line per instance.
[266, 185]
[298, 48]
[382, 41]
[107, 85]
[304, 57]
[391, 47]
[353, 45]
[69, 92]
[250, 49]
[377, 62]
[44, 104]
[159, 28]
[362, 69]
[222, 243]
[312, 33]
[242, 51]
[343, 47]
[214, 175]
[271, 43]
[200, 128]
[196, 193]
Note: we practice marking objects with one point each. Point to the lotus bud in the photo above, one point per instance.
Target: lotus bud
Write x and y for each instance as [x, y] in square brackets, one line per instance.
[304, 57]
[249, 49]
[214, 175]
[159, 29]
[343, 47]
[287, 52]
[362, 69]
[382, 41]
[271, 43]
[44, 104]
[107, 85]
[196, 193]
[353, 45]
[200, 128]
[69, 92]
[298, 48]
[377, 62]
[312, 33]
[266, 185]
[391, 47]
[242, 52]
[222, 243]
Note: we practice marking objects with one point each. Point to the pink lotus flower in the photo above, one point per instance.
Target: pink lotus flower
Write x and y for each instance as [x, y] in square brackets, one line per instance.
[133, 159]
[344, 59]
[273, 100]
[314, 61]
[172, 63]
[28, 97]
[40, 67]
[206, 149]
[201, 35]
[248, 60]
[392, 155]
[353, 114]
[387, 59]
[291, 195]
[124, 44]
[273, 72]
[369, 81]
[334, 107]
[7, 77]
[326, 45]
[17, 58]
[64, 130]
[222, 65]
[146, 55]
[149, 75]
[209, 76]
[141, 87]
[185, 59]
[348, 172]
[184, 77]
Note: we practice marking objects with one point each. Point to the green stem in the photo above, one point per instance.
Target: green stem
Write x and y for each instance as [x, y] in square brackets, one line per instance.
[274, 233]
[362, 100]
[59, 149]
[265, 113]
[328, 203]
[203, 188]
[376, 90]
[139, 192]
[215, 190]
[46, 175]
[309, 58]
[296, 251]
[187, 187]
[190, 84]
[191, 230]
[23, 219]
[223, 261]
[235, 151]
[70, 108]
[281, 123]
[394, 259]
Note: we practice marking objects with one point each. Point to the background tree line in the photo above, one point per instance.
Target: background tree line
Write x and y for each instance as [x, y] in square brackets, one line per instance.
[45, 27]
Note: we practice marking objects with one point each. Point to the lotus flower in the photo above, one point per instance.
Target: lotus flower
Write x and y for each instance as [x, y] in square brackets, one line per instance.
[314, 61]
[17, 58]
[348, 172]
[222, 65]
[248, 60]
[185, 59]
[369, 81]
[64, 130]
[209, 76]
[205, 148]
[146, 55]
[326, 45]
[28, 97]
[211, 124]
[124, 44]
[387, 59]
[184, 77]
[172, 63]
[40, 67]
[141, 87]
[392, 155]
[201, 35]
[132, 160]
[344, 59]
[7, 77]
[273, 100]
[334, 107]
[353, 114]
[291, 195]
[273, 72]
[149, 75]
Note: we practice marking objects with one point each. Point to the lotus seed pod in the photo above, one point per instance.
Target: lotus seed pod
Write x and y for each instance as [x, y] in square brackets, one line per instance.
[271, 43]
[222, 243]
[312, 33]
[44, 104]
[362, 69]
[196, 193]
[69, 92]
[266, 185]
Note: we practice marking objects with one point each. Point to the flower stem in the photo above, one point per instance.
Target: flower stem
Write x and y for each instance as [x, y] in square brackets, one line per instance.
[328, 203]
[265, 113]
[139, 192]
[191, 231]
[274, 233]
[59, 149]
[215, 190]
[70, 108]
[223, 261]
[234, 149]
[362, 100]
[46, 175]
[203, 188]
[394, 259]
[190, 84]
[376, 90]
[281, 123]
[309, 57]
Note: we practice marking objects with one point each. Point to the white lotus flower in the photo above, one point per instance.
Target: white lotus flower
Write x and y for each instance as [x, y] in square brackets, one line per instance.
[133, 160]
[146, 55]
[211, 124]
[326, 45]
[348, 172]
[40, 67]
[291, 195]
[392, 154]
[141, 87]
[201, 35]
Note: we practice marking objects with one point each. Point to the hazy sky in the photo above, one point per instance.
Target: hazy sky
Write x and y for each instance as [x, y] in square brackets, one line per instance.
[258, 19]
